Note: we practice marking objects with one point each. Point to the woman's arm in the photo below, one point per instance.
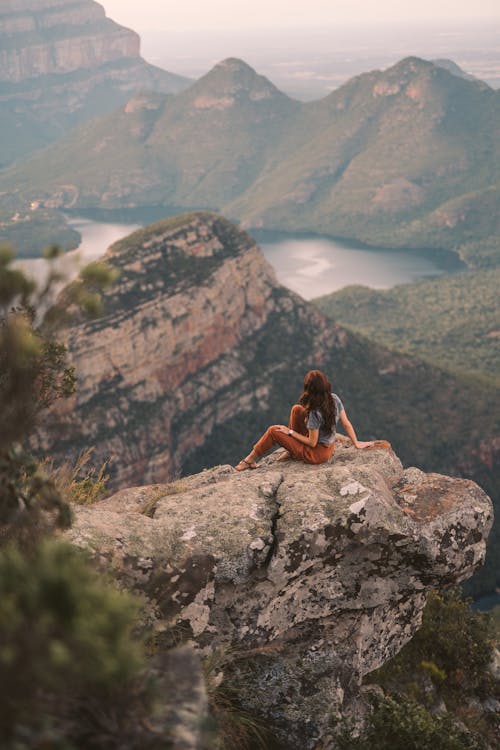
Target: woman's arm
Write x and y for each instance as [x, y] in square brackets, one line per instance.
[352, 433]
[310, 439]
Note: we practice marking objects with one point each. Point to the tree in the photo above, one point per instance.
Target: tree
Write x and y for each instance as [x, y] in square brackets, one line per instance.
[72, 674]
[33, 374]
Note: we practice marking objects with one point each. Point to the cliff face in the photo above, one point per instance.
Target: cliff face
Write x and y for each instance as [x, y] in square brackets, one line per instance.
[310, 576]
[45, 38]
[173, 357]
[62, 62]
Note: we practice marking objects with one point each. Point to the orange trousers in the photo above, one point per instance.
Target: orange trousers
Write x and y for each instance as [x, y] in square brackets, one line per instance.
[317, 455]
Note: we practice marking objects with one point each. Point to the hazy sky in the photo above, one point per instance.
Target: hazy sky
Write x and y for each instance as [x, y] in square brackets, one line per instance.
[237, 14]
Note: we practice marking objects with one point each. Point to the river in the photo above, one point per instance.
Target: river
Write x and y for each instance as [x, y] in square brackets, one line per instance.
[309, 265]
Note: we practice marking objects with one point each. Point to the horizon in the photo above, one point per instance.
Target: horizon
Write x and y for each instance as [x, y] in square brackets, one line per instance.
[283, 15]
[308, 52]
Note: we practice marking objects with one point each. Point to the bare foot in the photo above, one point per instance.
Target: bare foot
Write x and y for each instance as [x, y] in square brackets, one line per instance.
[244, 465]
[285, 456]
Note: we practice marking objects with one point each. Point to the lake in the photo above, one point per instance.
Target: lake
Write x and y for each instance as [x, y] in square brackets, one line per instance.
[313, 266]
[97, 236]
[309, 265]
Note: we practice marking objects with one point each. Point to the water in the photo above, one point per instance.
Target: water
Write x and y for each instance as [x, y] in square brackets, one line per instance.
[96, 238]
[310, 266]
[315, 266]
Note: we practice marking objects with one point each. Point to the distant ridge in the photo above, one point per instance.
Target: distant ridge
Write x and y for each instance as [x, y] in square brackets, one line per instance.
[405, 157]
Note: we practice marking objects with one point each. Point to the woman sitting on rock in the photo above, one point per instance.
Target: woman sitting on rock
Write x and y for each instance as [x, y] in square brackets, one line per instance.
[310, 435]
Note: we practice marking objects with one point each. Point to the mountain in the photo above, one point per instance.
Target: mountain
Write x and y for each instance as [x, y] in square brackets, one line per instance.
[197, 149]
[406, 157]
[200, 349]
[452, 67]
[63, 62]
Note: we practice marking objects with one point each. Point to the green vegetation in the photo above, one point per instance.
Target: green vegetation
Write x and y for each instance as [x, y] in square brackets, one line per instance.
[445, 665]
[73, 674]
[80, 484]
[40, 228]
[435, 420]
[451, 321]
[42, 106]
[453, 649]
[66, 648]
[145, 152]
[128, 245]
[83, 690]
[362, 163]
[405, 725]
[236, 728]
[495, 615]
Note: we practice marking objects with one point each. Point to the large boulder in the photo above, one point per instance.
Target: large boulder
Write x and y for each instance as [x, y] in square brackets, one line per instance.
[310, 576]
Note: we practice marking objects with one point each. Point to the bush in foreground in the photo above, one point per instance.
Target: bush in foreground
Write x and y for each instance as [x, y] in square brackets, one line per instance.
[405, 725]
[69, 666]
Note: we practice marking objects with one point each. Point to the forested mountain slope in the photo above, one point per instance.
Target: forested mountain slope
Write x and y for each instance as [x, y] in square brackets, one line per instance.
[408, 157]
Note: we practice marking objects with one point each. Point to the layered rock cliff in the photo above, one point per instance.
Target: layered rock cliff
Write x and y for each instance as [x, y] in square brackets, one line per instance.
[199, 349]
[59, 36]
[305, 578]
[62, 62]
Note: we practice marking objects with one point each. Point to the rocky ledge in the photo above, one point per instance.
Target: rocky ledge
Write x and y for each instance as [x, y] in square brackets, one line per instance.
[310, 577]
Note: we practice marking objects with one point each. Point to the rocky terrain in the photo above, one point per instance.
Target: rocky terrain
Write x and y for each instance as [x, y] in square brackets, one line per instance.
[297, 581]
[62, 62]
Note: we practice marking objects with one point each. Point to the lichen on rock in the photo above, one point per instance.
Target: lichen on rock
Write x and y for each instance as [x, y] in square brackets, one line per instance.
[313, 575]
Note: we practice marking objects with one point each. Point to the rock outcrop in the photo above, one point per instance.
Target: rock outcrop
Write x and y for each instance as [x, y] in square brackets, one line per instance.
[308, 577]
[200, 349]
[62, 62]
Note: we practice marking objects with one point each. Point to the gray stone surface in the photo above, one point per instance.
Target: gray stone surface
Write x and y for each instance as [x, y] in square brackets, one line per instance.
[312, 576]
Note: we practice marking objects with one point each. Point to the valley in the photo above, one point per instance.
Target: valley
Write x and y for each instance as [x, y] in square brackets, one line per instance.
[198, 351]
[402, 158]
[381, 182]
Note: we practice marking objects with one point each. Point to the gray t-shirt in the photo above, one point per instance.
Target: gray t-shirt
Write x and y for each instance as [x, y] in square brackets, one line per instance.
[315, 422]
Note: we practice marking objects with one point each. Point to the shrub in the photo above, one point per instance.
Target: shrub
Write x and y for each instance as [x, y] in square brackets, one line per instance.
[454, 647]
[79, 483]
[405, 725]
[66, 642]
[33, 374]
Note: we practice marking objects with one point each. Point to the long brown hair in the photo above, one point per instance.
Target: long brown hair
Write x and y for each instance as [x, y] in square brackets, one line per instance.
[317, 395]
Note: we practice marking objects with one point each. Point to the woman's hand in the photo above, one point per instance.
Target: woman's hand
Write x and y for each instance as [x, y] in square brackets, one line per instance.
[352, 433]
[281, 428]
[364, 443]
